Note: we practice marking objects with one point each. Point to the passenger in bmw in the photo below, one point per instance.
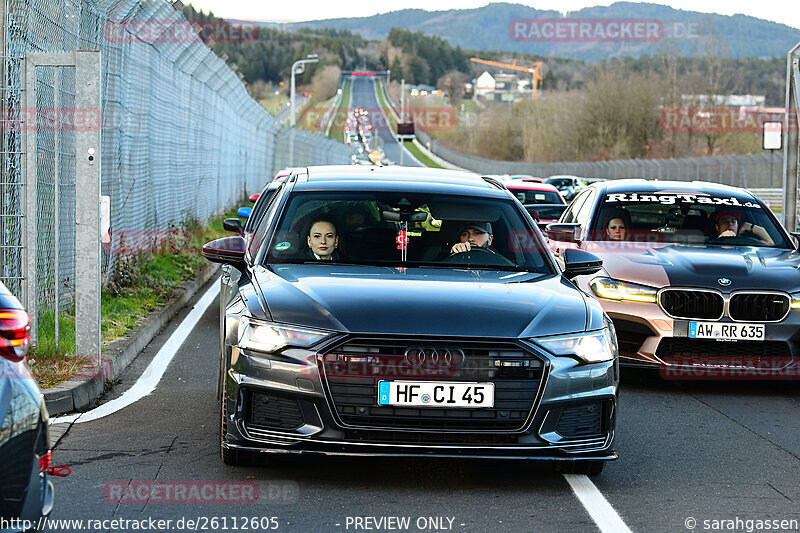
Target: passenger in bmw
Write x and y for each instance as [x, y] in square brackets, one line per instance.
[323, 240]
[615, 229]
[474, 234]
[726, 223]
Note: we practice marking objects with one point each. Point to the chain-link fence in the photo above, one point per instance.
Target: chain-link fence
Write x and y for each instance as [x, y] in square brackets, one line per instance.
[181, 138]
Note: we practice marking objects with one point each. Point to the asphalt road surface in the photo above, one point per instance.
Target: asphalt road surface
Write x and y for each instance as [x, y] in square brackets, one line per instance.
[363, 95]
[689, 453]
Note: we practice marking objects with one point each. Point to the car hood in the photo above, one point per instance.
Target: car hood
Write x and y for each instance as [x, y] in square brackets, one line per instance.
[422, 301]
[747, 267]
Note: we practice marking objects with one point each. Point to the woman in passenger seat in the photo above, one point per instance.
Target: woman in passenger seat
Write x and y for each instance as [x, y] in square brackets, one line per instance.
[615, 228]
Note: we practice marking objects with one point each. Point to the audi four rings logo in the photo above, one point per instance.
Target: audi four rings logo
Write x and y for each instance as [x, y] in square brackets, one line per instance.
[431, 356]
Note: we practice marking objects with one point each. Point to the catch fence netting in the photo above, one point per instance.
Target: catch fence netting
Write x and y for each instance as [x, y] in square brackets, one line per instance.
[181, 138]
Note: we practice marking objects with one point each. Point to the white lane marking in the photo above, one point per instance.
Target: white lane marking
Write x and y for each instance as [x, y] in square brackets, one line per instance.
[596, 505]
[155, 370]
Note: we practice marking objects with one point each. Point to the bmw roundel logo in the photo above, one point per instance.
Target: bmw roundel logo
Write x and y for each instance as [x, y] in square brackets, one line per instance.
[724, 282]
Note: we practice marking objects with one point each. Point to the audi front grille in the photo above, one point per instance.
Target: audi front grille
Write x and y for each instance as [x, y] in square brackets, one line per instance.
[692, 304]
[352, 371]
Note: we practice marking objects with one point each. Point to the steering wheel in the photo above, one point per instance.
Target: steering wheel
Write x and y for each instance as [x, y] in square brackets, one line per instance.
[475, 249]
[487, 257]
[740, 240]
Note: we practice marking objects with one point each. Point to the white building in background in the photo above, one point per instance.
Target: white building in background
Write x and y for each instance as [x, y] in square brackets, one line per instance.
[724, 100]
[485, 84]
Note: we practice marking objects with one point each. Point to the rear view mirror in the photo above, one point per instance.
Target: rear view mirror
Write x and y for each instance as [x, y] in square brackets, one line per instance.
[244, 212]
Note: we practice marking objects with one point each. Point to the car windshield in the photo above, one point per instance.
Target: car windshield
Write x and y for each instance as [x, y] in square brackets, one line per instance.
[536, 197]
[559, 182]
[681, 217]
[546, 212]
[406, 229]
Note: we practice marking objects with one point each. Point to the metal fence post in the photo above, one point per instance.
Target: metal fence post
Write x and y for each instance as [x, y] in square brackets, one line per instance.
[87, 212]
[791, 142]
[29, 292]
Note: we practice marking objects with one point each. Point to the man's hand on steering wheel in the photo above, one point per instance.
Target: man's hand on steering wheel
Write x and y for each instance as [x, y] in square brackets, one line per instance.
[463, 247]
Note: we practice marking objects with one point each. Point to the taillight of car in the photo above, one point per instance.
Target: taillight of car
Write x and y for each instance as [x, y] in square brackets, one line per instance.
[15, 334]
[44, 461]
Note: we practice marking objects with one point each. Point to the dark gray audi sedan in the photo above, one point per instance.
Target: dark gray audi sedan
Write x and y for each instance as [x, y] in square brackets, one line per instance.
[409, 312]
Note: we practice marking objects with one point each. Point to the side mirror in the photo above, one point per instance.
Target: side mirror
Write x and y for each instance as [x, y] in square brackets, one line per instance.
[254, 197]
[796, 235]
[562, 232]
[244, 212]
[228, 251]
[232, 224]
[580, 263]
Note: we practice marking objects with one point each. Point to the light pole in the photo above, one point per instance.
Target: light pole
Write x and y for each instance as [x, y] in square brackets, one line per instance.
[297, 68]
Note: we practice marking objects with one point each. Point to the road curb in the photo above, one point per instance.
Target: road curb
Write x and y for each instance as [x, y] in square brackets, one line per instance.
[76, 394]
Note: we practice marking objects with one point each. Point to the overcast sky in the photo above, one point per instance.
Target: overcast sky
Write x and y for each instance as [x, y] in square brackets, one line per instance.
[783, 11]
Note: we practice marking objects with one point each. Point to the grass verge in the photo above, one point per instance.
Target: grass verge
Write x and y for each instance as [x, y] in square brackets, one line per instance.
[141, 283]
[340, 114]
[420, 155]
[385, 106]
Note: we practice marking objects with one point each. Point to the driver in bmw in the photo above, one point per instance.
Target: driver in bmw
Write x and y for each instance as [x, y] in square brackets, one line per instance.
[478, 234]
[727, 225]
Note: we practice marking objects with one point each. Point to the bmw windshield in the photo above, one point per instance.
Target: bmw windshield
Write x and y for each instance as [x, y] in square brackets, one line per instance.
[407, 229]
[686, 217]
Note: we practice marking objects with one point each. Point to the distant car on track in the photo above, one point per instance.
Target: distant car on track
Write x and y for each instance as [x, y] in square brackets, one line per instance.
[567, 185]
[543, 201]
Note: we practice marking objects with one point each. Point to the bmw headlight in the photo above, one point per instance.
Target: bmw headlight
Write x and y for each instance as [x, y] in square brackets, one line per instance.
[795, 300]
[590, 347]
[262, 336]
[613, 289]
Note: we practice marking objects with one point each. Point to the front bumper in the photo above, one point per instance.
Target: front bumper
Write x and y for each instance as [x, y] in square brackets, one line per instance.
[286, 405]
[649, 338]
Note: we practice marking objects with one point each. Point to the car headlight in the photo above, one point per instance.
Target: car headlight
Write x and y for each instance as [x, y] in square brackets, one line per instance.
[591, 347]
[795, 300]
[262, 336]
[613, 289]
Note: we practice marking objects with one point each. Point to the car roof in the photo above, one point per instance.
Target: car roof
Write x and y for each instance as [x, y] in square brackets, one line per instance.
[640, 185]
[530, 186]
[420, 179]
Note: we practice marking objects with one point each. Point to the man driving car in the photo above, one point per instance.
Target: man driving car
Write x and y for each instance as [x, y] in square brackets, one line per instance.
[477, 234]
[727, 225]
